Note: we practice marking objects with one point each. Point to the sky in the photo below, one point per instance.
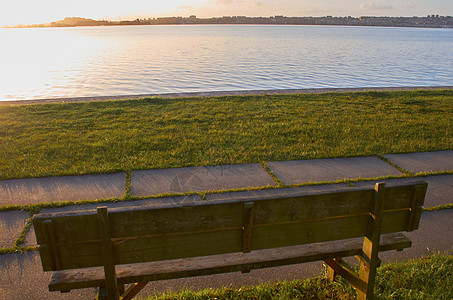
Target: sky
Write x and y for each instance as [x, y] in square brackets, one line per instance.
[14, 12]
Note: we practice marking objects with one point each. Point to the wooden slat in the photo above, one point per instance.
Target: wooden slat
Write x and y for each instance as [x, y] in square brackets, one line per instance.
[68, 228]
[395, 221]
[233, 262]
[299, 233]
[151, 249]
[312, 207]
[181, 246]
[139, 222]
[398, 197]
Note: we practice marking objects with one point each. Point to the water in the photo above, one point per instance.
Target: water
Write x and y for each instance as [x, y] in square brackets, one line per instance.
[106, 61]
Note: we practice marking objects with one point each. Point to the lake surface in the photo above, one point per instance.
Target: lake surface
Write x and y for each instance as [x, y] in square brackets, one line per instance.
[42, 63]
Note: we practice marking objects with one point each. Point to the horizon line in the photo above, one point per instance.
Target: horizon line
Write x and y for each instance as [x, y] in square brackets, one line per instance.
[225, 16]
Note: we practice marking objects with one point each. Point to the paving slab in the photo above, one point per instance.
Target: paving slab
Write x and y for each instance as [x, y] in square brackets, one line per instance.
[12, 224]
[22, 277]
[439, 192]
[250, 195]
[62, 188]
[423, 161]
[30, 238]
[198, 179]
[313, 170]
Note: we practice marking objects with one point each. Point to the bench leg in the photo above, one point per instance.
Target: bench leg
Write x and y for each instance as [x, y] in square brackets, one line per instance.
[338, 267]
[368, 267]
[128, 294]
[369, 260]
[331, 274]
[102, 294]
[133, 290]
[121, 289]
[363, 283]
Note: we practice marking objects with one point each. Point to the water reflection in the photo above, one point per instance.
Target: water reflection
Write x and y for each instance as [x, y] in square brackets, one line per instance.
[94, 61]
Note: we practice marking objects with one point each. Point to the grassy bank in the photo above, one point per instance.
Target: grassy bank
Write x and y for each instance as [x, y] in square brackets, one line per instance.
[101, 137]
[425, 278]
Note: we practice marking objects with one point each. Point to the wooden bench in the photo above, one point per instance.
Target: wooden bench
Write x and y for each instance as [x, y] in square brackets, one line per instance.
[137, 244]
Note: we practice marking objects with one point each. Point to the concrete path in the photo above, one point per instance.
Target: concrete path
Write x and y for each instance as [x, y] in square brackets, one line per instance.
[21, 275]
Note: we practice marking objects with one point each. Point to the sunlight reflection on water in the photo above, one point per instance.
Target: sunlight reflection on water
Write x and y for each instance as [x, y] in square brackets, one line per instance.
[100, 61]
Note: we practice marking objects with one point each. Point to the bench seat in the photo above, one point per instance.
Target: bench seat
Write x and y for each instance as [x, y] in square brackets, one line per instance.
[223, 263]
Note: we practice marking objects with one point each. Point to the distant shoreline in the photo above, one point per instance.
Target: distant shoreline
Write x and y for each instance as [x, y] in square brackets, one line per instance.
[218, 94]
[430, 21]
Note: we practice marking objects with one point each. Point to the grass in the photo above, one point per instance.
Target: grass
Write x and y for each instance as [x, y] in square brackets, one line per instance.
[429, 277]
[104, 137]
[439, 207]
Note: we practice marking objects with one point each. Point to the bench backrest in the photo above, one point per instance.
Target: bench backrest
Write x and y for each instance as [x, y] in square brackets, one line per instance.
[141, 233]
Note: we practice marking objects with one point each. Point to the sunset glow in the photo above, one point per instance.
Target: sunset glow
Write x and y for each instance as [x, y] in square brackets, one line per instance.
[45, 11]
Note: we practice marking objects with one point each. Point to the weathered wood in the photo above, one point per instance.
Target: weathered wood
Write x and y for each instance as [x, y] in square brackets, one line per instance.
[303, 207]
[418, 200]
[46, 258]
[331, 274]
[121, 289]
[370, 260]
[170, 233]
[247, 227]
[232, 262]
[247, 231]
[347, 274]
[51, 244]
[133, 290]
[101, 294]
[111, 283]
[224, 240]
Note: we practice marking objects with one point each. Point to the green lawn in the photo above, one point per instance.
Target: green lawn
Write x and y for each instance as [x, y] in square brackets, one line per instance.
[428, 278]
[101, 137]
